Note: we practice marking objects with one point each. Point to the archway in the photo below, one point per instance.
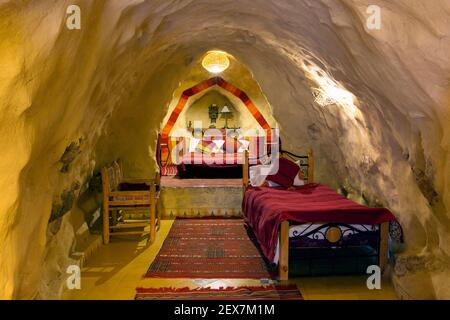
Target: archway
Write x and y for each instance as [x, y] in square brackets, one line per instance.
[200, 87]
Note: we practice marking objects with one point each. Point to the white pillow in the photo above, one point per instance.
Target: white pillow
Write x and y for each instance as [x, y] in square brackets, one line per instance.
[218, 146]
[298, 182]
[193, 142]
[243, 145]
[256, 178]
[273, 184]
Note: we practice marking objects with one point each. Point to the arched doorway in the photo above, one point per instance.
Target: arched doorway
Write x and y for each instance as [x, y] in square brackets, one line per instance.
[197, 89]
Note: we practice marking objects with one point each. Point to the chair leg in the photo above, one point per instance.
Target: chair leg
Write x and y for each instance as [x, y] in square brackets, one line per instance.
[158, 216]
[152, 212]
[105, 222]
[106, 189]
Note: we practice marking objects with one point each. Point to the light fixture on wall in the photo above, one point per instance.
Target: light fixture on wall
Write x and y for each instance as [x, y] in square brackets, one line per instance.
[216, 61]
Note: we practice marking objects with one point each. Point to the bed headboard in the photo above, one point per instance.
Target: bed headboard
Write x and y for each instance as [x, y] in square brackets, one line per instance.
[306, 165]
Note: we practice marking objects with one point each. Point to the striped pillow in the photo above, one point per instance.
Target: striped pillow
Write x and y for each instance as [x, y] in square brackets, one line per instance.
[205, 146]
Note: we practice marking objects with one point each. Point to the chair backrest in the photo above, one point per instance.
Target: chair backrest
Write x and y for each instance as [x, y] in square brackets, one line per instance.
[112, 176]
[118, 171]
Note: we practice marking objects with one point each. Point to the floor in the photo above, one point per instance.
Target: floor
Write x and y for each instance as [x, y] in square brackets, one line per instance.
[116, 270]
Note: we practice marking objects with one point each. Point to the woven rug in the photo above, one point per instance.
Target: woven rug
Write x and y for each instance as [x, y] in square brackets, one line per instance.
[209, 249]
[289, 292]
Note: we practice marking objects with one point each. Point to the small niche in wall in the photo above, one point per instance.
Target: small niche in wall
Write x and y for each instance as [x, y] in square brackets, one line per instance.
[199, 111]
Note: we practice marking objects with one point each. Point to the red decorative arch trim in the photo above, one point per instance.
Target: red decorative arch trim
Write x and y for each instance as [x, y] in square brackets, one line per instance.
[202, 86]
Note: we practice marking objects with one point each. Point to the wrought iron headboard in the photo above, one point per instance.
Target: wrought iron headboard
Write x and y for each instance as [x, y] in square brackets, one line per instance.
[306, 163]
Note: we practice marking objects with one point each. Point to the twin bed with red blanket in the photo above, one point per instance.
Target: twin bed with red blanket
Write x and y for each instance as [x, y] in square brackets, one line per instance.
[313, 218]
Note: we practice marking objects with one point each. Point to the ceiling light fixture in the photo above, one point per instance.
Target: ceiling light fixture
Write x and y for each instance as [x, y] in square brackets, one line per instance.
[216, 61]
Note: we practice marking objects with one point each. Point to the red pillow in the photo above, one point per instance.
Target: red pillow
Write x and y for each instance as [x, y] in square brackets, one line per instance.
[231, 145]
[286, 173]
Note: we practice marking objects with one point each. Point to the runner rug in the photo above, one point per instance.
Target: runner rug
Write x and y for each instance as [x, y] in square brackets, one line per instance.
[209, 248]
[274, 292]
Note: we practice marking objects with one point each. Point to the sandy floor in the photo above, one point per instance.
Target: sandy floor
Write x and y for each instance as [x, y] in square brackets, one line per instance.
[116, 270]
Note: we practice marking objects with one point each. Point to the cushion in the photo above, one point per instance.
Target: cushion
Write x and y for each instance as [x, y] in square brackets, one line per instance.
[231, 145]
[218, 146]
[244, 145]
[205, 146]
[256, 176]
[286, 174]
[193, 142]
[273, 184]
[298, 182]
[234, 145]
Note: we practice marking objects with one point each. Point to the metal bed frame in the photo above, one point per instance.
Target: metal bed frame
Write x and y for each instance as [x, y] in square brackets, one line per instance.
[325, 235]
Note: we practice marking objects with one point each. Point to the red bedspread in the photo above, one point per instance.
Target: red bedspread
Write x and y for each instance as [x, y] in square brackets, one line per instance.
[266, 208]
[214, 159]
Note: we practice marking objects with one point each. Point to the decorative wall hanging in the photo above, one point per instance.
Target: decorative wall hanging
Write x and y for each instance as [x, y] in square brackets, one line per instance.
[213, 112]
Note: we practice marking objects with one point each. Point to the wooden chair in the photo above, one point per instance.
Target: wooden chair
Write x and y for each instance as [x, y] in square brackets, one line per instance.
[116, 200]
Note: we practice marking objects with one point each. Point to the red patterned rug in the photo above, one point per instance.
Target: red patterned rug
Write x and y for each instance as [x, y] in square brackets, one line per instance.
[209, 248]
[289, 292]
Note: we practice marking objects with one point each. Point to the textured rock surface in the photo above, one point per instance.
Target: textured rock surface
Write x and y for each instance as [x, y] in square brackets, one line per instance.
[112, 83]
[196, 201]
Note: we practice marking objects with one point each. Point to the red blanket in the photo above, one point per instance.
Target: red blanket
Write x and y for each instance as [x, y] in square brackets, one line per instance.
[214, 159]
[266, 208]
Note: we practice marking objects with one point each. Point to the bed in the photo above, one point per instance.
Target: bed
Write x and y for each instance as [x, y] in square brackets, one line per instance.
[312, 218]
[219, 154]
[203, 165]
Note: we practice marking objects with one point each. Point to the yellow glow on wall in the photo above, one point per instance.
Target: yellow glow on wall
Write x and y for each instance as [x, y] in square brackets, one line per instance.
[216, 61]
[325, 96]
[329, 91]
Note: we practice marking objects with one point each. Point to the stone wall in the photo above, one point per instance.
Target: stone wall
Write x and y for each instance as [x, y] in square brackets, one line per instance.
[112, 83]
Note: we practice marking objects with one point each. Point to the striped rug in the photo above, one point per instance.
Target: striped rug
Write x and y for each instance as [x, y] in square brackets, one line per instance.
[209, 249]
[289, 292]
